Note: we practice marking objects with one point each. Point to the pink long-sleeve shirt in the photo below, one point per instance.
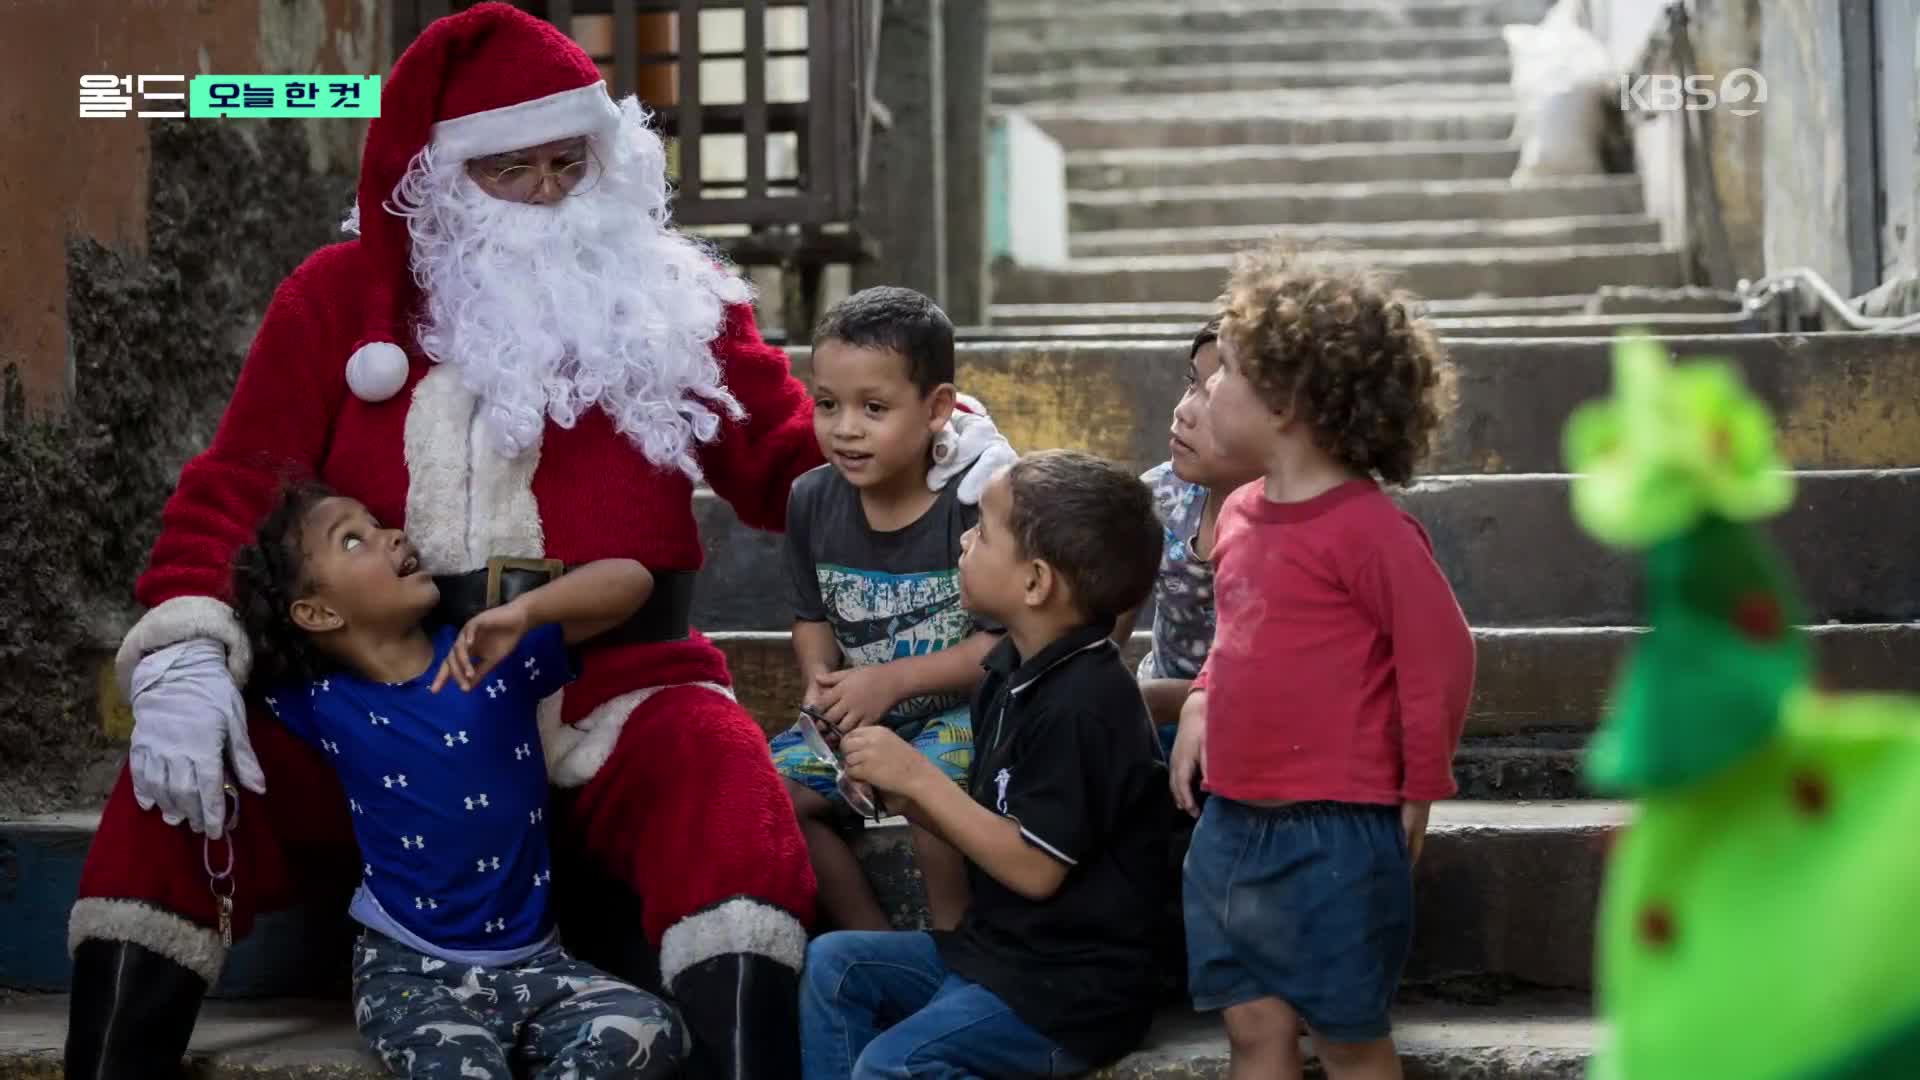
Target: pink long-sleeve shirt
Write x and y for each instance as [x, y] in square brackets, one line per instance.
[1342, 666]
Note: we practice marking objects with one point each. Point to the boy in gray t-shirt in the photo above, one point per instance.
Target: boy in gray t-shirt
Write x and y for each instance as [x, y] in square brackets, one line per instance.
[873, 555]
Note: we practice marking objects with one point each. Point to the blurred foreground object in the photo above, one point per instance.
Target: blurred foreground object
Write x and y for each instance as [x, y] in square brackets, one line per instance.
[1756, 920]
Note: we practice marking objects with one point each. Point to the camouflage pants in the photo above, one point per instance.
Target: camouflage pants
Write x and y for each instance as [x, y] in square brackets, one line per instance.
[550, 1017]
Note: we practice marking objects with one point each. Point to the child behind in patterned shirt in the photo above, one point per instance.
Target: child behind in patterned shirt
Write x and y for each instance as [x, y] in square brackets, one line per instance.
[458, 970]
[1188, 490]
[1325, 719]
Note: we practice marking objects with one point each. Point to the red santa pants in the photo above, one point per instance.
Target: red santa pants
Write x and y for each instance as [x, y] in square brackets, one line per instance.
[687, 811]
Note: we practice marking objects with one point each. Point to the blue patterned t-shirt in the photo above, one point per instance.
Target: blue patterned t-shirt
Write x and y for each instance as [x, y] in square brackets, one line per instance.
[1183, 591]
[448, 794]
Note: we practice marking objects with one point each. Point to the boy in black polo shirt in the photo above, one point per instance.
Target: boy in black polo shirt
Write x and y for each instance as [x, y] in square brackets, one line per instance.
[1065, 833]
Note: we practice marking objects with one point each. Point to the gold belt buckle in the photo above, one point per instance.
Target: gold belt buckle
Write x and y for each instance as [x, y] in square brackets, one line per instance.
[499, 564]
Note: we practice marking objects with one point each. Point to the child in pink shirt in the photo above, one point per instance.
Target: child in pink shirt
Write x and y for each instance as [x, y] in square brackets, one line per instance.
[1325, 719]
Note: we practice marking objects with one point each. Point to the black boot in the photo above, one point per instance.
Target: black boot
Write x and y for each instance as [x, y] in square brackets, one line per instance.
[131, 1014]
[744, 1012]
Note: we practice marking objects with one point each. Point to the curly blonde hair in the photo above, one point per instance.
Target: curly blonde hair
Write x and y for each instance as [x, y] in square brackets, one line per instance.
[1337, 345]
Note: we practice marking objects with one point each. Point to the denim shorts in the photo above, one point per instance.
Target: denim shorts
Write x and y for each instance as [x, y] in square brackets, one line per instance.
[1310, 903]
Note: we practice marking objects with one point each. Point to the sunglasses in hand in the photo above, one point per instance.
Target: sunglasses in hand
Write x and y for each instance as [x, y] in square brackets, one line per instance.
[823, 741]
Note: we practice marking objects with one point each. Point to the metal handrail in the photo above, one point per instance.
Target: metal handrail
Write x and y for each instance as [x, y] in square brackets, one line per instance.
[1810, 294]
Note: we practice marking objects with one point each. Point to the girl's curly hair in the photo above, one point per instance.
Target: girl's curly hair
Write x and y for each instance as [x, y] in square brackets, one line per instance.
[268, 576]
[1338, 344]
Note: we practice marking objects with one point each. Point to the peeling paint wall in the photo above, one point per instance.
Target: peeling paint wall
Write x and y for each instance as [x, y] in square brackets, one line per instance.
[1806, 174]
[136, 262]
[70, 179]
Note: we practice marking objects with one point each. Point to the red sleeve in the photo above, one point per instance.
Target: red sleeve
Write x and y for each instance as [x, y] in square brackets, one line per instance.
[754, 462]
[275, 427]
[1398, 583]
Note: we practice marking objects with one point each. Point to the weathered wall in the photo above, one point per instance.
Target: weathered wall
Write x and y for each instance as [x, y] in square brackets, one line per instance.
[1725, 35]
[69, 177]
[1806, 175]
[137, 259]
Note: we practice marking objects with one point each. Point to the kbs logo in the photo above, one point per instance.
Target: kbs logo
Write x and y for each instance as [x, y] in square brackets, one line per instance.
[1742, 91]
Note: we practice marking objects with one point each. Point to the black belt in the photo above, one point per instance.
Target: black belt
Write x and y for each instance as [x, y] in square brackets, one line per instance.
[664, 617]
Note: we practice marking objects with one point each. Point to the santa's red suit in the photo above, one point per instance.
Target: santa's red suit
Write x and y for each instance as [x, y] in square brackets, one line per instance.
[675, 794]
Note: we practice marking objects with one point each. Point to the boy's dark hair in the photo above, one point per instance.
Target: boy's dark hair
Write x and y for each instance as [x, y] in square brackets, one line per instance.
[1339, 343]
[267, 579]
[898, 320]
[1209, 333]
[1093, 522]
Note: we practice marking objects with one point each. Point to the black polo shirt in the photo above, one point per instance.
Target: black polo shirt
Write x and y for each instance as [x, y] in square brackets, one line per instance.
[1063, 745]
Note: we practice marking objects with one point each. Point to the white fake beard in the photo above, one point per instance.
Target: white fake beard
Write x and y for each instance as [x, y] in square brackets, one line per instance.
[548, 311]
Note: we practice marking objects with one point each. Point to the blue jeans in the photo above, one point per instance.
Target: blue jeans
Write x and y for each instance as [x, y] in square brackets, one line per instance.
[884, 1005]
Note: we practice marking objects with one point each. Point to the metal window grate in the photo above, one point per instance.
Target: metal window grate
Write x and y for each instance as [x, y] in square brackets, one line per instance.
[823, 136]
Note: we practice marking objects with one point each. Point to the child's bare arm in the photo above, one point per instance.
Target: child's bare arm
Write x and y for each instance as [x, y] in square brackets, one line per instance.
[855, 697]
[815, 652]
[589, 600]
[814, 648]
[584, 602]
[879, 757]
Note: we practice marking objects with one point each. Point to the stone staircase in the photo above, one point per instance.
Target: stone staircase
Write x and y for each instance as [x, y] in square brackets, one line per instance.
[1379, 126]
[1191, 128]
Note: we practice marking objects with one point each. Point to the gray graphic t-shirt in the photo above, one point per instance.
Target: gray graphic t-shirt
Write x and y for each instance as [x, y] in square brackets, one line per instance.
[887, 595]
[1183, 592]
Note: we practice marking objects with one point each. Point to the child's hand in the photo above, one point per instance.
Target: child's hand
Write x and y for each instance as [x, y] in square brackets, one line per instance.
[486, 640]
[1413, 819]
[1189, 764]
[855, 697]
[879, 757]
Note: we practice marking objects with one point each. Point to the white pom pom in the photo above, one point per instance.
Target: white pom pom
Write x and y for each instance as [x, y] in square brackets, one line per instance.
[376, 371]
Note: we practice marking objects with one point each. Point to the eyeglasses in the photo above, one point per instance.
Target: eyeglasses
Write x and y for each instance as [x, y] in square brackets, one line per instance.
[813, 727]
[521, 181]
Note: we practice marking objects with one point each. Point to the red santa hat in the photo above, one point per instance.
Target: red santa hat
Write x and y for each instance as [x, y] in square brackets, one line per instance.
[485, 81]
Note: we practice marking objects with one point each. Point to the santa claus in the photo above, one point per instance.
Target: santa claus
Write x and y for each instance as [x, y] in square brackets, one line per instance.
[521, 362]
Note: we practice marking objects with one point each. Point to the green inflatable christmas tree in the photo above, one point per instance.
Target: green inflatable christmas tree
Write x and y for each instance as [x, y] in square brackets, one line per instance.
[1761, 917]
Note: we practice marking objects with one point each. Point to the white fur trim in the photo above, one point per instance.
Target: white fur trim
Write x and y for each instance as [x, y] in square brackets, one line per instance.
[376, 371]
[438, 426]
[740, 925]
[502, 516]
[184, 618]
[575, 753]
[466, 502]
[192, 946]
[584, 110]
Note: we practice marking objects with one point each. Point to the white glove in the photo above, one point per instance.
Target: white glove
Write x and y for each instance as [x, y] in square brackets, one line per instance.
[969, 440]
[186, 712]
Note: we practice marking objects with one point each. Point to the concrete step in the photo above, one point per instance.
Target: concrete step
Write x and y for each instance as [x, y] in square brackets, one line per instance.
[1362, 202]
[1506, 893]
[1513, 326]
[1508, 543]
[1569, 231]
[1542, 1037]
[1017, 51]
[1198, 120]
[1545, 685]
[1685, 300]
[1154, 167]
[1195, 312]
[1843, 401]
[1067, 84]
[1070, 18]
[1433, 272]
